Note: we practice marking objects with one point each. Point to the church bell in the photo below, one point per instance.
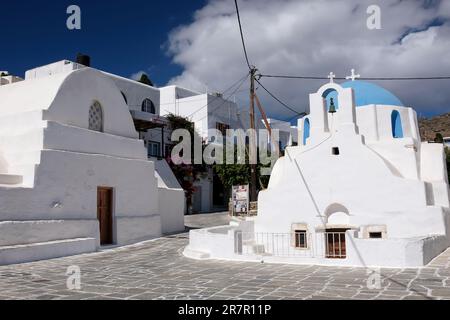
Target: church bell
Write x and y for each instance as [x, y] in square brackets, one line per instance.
[332, 106]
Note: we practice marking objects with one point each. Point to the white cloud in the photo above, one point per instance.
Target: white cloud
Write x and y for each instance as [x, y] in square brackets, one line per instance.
[314, 37]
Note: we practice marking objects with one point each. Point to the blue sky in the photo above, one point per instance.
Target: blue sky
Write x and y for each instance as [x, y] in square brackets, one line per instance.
[122, 37]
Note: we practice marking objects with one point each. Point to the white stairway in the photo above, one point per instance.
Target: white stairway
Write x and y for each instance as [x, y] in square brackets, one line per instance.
[21, 143]
[46, 250]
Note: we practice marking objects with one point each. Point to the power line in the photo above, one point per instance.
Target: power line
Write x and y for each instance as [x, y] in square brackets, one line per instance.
[366, 78]
[279, 101]
[242, 34]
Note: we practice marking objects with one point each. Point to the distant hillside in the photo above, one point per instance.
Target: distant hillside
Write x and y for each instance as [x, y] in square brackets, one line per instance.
[439, 124]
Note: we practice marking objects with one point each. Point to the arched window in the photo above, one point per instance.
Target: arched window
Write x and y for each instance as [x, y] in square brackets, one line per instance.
[96, 117]
[306, 131]
[148, 106]
[397, 128]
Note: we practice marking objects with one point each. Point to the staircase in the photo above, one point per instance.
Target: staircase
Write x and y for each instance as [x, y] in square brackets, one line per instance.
[21, 142]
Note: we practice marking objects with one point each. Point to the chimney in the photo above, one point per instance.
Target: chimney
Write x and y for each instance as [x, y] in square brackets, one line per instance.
[84, 60]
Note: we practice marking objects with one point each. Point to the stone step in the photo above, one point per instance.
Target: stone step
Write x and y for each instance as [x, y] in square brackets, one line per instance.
[196, 255]
[254, 249]
[46, 250]
[18, 158]
[10, 179]
[38, 231]
[27, 172]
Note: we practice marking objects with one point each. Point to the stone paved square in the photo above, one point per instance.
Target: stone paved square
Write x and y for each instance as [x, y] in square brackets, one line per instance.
[157, 270]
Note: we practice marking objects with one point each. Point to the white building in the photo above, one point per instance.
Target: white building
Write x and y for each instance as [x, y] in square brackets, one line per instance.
[6, 78]
[206, 111]
[288, 134]
[209, 112]
[361, 189]
[74, 175]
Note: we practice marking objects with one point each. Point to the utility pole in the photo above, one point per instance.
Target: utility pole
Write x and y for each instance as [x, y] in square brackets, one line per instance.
[253, 166]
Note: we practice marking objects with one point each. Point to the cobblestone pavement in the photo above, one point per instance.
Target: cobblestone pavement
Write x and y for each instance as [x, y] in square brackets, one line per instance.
[157, 270]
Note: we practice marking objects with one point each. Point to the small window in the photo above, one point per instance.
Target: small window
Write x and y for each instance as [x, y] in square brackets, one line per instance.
[154, 149]
[376, 235]
[148, 106]
[301, 241]
[335, 151]
[96, 117]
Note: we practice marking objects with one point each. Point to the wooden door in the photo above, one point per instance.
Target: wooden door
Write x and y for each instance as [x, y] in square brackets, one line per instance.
[336, 244]
[105, 214]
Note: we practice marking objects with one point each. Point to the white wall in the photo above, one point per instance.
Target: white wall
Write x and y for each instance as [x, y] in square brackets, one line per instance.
[136, 92]
[63, 164]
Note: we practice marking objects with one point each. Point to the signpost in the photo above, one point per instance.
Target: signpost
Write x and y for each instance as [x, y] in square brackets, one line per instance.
[241, 200]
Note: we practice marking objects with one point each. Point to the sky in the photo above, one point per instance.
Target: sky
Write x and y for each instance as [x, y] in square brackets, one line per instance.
[197, 44]
[122, 37]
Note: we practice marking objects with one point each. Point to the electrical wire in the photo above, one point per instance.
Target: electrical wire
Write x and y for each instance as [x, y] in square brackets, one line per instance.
[242, 34]
[279, 101]
[365, 78]
[228, 89]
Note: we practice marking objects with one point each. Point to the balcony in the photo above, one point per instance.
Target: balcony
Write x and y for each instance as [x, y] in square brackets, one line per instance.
[144, 121]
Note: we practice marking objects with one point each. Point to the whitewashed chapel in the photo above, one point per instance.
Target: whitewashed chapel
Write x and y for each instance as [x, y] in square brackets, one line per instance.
[361, 189]
[74, 175]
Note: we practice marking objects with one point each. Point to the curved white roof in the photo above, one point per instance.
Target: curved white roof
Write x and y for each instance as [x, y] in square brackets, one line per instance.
[66, 98]
[30, 95]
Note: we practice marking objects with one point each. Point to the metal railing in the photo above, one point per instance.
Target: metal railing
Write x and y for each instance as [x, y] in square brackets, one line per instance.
[330, 245]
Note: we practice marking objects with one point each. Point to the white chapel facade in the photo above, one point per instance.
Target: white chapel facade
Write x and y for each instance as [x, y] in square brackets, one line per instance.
[361, 189]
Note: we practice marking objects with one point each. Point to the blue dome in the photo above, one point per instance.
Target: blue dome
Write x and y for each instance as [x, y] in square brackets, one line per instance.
[366, 93]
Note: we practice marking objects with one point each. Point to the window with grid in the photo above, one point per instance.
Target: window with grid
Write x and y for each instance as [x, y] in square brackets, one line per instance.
[96, 117]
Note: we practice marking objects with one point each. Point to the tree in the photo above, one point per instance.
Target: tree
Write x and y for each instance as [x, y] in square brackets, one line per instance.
[146, 80]
[240, 174]
[3, 74]
[186, 174]
[439, 138]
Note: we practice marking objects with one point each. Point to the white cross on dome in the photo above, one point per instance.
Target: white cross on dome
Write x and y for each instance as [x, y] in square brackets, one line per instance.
[353, 76]
[331, 76]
